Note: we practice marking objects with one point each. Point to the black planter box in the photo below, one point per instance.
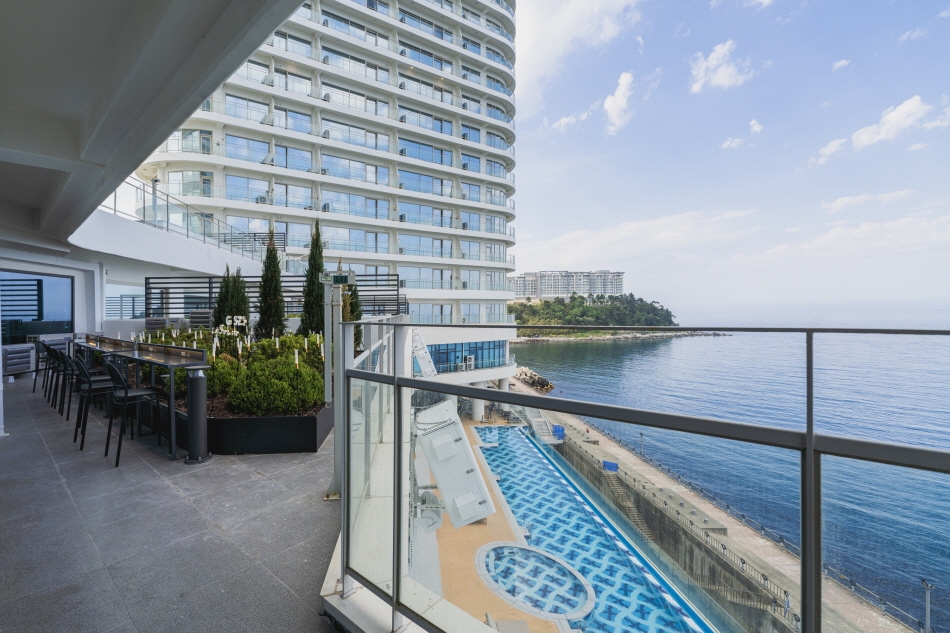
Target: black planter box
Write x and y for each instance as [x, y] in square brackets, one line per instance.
[243, 436]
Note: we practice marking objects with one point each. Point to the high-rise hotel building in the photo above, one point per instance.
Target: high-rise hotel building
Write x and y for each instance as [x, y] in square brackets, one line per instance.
[391, 122]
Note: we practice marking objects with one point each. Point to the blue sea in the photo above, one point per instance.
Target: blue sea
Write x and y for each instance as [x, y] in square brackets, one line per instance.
[885, 527]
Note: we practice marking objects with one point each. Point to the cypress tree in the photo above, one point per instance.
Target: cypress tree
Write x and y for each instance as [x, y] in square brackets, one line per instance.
[270, 302]
[240, 304]
[311, 321]
[222, 302]
[355, 313]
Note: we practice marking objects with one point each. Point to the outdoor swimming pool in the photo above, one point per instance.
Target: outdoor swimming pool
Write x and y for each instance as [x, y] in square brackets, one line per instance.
[630, 594]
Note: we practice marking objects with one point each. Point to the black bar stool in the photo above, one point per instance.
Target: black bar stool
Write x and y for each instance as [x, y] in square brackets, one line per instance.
[89, 386]
[123, 396]
[42, 360]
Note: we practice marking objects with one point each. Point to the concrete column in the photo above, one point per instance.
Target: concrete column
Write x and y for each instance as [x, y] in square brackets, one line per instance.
[503, 387]
[478, 406]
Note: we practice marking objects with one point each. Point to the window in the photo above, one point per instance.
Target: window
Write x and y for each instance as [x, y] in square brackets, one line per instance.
[354, 29]
[429, 278]
[495, 56]
[424, 246]
[253, 71]
[471, 104]
[430, 313]
[366, 269]
[470, 279]
[495, 169]
[292, 82]
[471, 192]
[471, 312]
[425, 89]
[355, 204]
[495, 196]
[471, 74]
[495, 313]
[425, 152]
[246, 189]
[455, 356]
[471, 133]
[424, 25]
[249, 225]
[470, 250]
[471, 45]
[494, 252]
[494, 280]
[297, 234]
[496, 140]
[190, 183]
[247, 109]
[424, 57]
[293, 158]
[297, 121]
[498, 113]
[355, 135]
[471, 163]
[424, 214]
[196, 141]
[496, 84]
[354, 240]
[246, 149]
[495, 224]
[296, 196]
[423, 120]
[352, 99]
[305, 11]
[471, 16]
[34, 305]
[354, 170]
[425, 184]
[471, 221]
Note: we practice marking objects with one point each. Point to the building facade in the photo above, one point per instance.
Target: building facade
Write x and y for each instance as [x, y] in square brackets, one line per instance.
[393, 125]
[550, 284]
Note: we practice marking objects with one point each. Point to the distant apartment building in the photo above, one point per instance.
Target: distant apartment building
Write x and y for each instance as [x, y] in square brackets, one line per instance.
[550, 284]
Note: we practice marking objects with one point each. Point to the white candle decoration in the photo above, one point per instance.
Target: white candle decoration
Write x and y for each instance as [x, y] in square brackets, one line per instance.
[277, 342]
[296, 360]
[305, 345]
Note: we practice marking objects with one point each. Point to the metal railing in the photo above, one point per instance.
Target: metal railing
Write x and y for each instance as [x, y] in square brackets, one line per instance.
[811, 445]
[135, 200]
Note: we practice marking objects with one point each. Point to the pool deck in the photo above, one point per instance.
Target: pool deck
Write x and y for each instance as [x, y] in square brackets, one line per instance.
[461, 584]
[842, 612]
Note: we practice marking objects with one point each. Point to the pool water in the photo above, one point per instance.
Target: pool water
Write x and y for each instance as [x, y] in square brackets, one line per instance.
[630, 594]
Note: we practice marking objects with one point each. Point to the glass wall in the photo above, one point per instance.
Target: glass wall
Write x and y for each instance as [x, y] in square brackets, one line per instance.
[34, 304]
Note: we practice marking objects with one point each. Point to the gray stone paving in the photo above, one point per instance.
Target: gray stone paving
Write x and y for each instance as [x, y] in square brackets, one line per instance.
[240, 544]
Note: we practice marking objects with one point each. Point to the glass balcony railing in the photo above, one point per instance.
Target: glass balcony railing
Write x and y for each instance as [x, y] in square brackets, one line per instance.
[426, 284]
[611, 537]
[360, 247]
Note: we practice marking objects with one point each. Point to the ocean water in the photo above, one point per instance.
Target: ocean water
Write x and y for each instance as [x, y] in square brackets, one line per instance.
[885, 527]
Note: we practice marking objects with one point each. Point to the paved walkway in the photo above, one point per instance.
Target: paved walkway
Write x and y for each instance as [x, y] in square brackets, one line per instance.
[240, 544]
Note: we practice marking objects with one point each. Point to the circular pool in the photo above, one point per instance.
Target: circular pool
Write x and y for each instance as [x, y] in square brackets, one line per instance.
[535, 581]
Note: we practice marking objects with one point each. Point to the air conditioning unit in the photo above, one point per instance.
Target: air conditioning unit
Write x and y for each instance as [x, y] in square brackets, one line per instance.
[465, 105]
[326, 59]
[402, 52]
[326, 23]
[326, 134]
[402, 283]
[268, 119]
[402, 185]
[261, 200]
[326, 96]
[464, 75]
[465, 136]
[402, 151]
[464, 226]
[325, 207]
[464, 285]
[323, 171]
[464, 254]
[465, 166]
[402, 250]
[402, 18]
[464, 319]
[465, 45]
[402, 118]
[402, 217]
[470, 362]
[402, 85]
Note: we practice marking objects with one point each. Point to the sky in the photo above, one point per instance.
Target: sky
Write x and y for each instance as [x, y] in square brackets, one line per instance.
[738, 152]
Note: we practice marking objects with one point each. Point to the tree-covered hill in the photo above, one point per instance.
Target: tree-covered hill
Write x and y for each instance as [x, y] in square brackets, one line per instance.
[600, 310]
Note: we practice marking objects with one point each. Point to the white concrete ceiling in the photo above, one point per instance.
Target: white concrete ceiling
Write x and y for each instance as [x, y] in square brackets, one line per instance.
[89, 89]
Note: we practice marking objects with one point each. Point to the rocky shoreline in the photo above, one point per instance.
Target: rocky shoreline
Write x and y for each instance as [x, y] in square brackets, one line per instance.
[614, 337]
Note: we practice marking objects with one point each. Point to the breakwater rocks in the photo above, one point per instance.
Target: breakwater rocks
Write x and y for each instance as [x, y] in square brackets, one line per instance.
[534, 380]
[614, 337]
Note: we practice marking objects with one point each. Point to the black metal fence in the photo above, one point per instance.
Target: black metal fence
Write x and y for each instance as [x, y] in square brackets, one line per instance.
[168, 297]
[125, 307]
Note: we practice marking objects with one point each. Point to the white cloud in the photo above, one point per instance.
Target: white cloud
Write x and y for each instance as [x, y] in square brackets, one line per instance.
[640, 41]
[916, 147]
[944, 14]
[841, 63]
[617, 105]
[759, 3]
[942, 121]
[829, 150]
[654, 81]
[857, 201]
[732, 143]
[893, 122]
[549, 31]
[911, 35]
[565, 122]
[718, 70]
[754, 127]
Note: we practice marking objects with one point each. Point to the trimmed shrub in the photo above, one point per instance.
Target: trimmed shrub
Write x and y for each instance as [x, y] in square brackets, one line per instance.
[275, 386]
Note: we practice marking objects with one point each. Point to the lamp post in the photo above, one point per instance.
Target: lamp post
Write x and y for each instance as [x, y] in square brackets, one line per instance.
[641, 445]
[927, 588]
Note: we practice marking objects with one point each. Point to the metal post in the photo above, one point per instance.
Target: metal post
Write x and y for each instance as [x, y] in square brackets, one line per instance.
[327, 343]
[197, 415]
[339, 406]
[811, 506]
[2, 432]
[927, 588]
[399, 370]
